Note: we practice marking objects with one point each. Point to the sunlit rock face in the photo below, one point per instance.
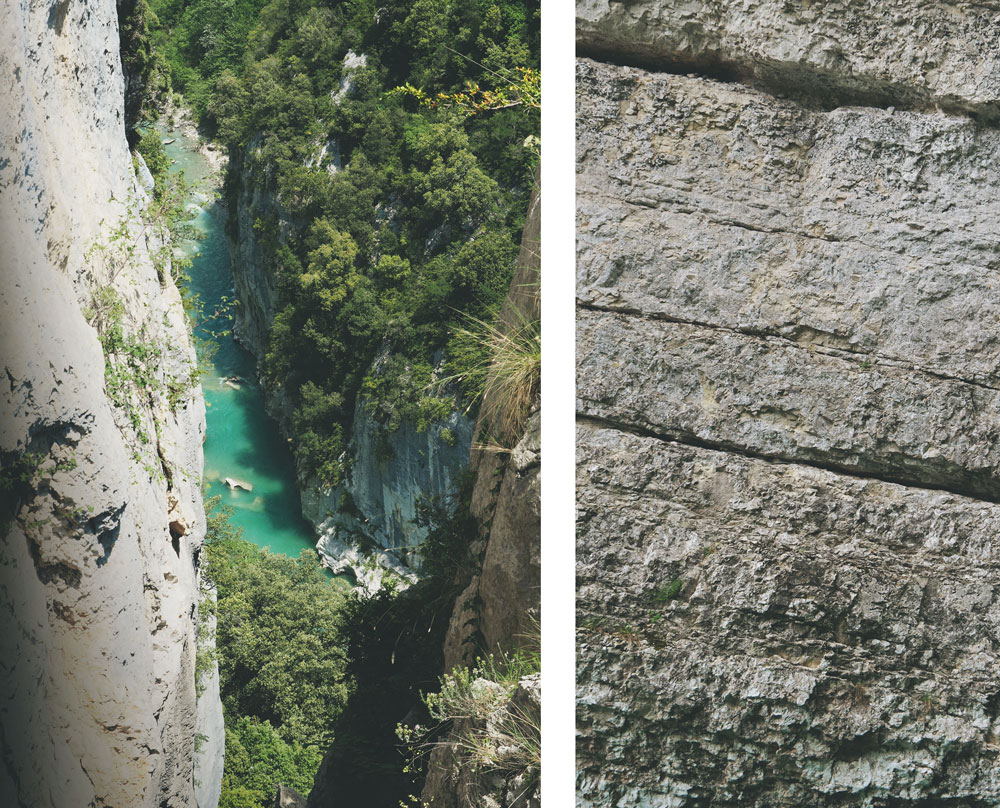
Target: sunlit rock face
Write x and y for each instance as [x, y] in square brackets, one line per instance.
[100, 507]
[788, 347]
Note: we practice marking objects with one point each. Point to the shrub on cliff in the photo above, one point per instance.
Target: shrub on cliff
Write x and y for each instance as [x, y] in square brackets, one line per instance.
[151, 148]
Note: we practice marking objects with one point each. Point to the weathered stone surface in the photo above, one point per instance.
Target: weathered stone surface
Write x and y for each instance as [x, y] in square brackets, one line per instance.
[383, 492]
[717, 204]
[788, 338]
[890, 52]
[99, 595]
[831, 641]
[772, 398]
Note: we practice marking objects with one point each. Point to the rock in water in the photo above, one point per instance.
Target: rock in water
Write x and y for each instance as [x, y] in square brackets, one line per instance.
[789, 353]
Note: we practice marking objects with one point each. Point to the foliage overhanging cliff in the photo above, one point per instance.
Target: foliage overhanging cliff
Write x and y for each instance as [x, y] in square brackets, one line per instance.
[389, 222]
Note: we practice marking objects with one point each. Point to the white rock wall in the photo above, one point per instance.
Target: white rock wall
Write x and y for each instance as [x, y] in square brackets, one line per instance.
[101, 528]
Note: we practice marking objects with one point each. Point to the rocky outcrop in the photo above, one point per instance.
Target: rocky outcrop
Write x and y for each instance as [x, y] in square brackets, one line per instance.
[498, 606]
[787, 360]
[368, 524]
[501, 727]
[100, 450]
[498, 609]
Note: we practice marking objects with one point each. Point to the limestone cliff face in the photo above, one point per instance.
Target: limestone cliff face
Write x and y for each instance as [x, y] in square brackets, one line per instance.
[788, 351]
[383, 493]
[100, 450]
[253, 280]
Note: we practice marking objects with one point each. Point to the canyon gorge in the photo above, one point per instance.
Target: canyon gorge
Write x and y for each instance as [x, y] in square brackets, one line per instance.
[117, 434]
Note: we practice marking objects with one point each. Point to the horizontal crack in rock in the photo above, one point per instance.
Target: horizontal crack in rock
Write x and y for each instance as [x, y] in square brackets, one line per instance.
[805, 345]
[722, 446]
[805, 85]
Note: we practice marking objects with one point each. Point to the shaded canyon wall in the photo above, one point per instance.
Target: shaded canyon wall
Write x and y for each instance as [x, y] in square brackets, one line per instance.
[499, 608]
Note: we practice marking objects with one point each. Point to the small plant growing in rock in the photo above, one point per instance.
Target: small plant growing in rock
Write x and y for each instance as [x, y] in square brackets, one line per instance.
[506, 378]
[669, 592]
[928, 702]
[592, 624]
[487, 726]
[859, 694]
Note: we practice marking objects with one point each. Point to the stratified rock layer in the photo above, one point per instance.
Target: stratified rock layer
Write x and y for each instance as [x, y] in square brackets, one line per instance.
[788, 350]
[883, 51]
[100, 463]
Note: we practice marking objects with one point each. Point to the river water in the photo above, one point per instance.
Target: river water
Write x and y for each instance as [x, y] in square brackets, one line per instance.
[243, 443]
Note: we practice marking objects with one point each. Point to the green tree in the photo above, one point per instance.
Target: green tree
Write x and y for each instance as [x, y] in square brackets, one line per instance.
[281, 657]
[258, 759]
[155, 156]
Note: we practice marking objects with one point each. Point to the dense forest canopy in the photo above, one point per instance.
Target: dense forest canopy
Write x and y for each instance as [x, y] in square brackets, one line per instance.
[393, 221]
[282, 662]
[305, 668]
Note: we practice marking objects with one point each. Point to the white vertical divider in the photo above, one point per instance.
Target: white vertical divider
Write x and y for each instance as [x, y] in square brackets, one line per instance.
[558, 403]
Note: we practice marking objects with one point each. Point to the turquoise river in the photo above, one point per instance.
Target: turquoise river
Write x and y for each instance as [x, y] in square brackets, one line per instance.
[243, 443]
